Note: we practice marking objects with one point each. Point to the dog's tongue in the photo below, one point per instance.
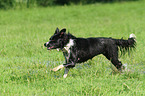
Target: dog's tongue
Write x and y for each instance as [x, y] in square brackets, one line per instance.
[50, 47]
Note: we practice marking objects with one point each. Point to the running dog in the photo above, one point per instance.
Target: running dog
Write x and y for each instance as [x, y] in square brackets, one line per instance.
[78, 50]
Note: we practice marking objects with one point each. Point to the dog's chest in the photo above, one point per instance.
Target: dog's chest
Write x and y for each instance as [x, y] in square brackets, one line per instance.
[67, 49]
[68, 46]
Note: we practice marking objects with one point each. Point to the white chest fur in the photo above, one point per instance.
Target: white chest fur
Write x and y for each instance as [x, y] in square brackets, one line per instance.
[69, 45]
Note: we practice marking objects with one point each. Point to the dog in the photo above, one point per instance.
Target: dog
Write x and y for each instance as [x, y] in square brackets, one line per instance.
[78, 50]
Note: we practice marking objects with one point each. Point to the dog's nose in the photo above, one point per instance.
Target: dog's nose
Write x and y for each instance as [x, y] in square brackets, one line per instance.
[45, 44]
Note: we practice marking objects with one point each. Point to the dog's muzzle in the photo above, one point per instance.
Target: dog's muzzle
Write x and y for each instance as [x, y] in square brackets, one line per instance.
[48, 46]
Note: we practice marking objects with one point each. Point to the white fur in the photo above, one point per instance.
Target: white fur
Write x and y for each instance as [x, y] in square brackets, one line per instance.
[132, 36]
[65, 72]
[69, 45]
[57, 68]
[58, 49]
[47, 43]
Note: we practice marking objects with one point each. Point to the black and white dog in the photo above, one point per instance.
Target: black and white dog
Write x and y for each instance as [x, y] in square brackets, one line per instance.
[78, 50]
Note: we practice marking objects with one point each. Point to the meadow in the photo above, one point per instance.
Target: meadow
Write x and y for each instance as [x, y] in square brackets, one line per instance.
[25, 64]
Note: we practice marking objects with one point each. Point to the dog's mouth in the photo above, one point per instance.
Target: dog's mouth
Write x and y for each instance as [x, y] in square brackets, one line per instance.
[49, 48]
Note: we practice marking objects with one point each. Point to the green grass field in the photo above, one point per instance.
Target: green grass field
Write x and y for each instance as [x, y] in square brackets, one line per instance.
[25, 64]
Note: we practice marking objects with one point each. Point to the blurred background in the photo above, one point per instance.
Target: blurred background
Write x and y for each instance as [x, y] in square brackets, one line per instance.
[6, 4]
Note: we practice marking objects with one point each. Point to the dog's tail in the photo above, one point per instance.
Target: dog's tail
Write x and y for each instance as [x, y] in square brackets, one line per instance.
[126, 45]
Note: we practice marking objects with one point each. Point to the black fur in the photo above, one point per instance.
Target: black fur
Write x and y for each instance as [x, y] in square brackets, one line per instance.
[86, 48]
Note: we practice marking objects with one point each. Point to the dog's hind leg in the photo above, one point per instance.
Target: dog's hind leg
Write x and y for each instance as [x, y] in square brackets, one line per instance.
[117, 64]
[112, 55]
[66, 72]
[57, 68]
[114, 65]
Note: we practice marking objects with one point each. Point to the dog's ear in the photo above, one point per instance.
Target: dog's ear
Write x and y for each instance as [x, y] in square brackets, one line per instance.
[56, 31]
[63, 31]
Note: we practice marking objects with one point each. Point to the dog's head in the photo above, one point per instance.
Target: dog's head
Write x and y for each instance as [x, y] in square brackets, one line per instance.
[57, 40]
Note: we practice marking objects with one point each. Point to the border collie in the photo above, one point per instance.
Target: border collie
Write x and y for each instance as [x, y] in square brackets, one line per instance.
[78, 50]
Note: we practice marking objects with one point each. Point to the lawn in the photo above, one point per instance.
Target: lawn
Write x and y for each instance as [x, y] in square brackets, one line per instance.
[25, 64]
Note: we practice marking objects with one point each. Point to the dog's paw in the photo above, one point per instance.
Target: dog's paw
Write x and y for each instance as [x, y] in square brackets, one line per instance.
[65, 75]
[54, 69]
[57, 68]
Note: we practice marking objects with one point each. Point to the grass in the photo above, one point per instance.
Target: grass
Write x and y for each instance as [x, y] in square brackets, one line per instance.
[25, 65]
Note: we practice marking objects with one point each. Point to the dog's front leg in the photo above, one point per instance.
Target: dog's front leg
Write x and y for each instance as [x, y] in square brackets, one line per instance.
[67, 67]
[60, 67]
[57, 68]
[66, 72]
